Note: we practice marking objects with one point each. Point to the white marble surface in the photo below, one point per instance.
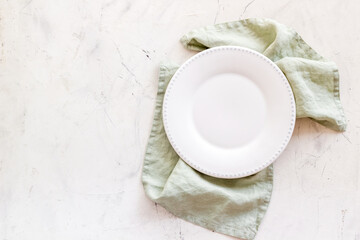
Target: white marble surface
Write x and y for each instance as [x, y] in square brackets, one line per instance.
[77, 87]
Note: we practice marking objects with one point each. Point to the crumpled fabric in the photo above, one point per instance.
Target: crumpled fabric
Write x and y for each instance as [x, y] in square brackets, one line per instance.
[236, 206]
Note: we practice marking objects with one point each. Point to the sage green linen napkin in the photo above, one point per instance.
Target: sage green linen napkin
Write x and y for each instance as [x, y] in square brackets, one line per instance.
[236, 206]
[314, 80]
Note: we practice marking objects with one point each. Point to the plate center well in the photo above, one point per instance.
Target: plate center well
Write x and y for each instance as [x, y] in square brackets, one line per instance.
[229, 110]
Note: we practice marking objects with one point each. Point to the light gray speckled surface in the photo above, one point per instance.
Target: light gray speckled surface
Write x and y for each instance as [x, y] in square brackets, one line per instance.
[78, 81]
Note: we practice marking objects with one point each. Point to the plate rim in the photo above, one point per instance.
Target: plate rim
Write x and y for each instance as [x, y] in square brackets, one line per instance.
[266, 163]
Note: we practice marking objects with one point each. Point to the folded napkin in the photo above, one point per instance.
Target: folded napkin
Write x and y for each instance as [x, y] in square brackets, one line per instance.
[236, 206]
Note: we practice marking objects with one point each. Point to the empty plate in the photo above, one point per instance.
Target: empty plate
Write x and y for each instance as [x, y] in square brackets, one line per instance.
[229, 112]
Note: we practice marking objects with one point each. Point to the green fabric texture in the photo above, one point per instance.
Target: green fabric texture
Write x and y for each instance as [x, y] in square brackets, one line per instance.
[314, 80]
[236, 206]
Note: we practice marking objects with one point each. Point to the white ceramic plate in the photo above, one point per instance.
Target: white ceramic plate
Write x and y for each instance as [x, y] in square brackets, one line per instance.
[229, 112]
